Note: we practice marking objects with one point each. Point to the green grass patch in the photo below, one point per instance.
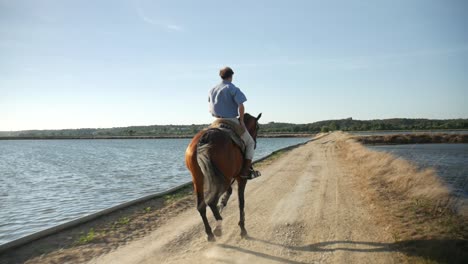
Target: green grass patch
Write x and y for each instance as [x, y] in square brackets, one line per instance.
[86, 238]
[123, 221]
[174, 196]
[178, 194]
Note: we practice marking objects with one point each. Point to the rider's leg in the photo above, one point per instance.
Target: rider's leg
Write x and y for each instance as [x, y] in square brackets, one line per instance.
[249, 153]
[249, 145]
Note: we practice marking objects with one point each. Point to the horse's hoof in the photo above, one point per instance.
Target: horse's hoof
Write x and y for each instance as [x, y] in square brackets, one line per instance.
[211, 238]
[244, 234]
[218, 232]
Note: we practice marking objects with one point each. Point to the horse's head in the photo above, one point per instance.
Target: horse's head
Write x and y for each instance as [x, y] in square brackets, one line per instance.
[252, 126]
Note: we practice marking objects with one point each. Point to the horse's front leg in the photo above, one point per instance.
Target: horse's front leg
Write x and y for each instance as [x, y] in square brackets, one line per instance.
[225, 199]
[242, 182]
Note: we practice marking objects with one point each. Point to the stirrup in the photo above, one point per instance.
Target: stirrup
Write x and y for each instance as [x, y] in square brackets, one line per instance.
[252, 175]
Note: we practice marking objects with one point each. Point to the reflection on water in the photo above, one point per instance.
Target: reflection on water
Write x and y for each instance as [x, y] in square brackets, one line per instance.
[449, 160]
[47, 182]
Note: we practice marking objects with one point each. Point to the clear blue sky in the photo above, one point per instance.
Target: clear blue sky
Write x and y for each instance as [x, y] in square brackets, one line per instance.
[72, 64]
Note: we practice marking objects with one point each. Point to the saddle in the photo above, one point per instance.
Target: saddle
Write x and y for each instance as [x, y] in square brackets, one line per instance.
[233, 129]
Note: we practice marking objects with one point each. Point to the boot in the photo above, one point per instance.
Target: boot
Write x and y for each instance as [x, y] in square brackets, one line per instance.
[247, 170]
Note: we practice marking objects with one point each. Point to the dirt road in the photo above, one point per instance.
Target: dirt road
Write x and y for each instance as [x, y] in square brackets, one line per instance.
[304, 209]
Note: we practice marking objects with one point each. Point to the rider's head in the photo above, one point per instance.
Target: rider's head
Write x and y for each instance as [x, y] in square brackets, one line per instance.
[226, 74]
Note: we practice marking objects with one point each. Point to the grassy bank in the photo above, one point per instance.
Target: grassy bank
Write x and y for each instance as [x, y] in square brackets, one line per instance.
[413, 139]
[414, 204]
[82, 243]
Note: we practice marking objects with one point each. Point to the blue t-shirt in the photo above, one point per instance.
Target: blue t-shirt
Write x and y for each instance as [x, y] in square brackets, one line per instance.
[224, 100]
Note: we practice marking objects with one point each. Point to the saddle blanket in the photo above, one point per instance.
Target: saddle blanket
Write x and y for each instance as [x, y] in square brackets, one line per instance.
[234, 130]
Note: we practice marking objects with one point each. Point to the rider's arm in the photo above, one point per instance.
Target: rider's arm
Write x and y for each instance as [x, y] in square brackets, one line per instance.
[241, 113]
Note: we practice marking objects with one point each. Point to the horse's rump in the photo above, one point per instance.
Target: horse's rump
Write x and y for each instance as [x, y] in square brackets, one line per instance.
[210, 143]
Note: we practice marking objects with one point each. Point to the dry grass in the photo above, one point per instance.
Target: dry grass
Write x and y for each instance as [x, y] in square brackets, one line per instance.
[424, 217]
[399, 175]
[413, 138]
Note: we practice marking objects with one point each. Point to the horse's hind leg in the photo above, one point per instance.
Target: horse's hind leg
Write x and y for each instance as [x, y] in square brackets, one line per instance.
[219, 209]
[225, 199]
[241, 189]
[219, 220]
[201, 206]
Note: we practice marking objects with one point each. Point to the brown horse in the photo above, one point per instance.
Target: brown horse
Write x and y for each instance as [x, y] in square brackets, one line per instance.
[215, 162]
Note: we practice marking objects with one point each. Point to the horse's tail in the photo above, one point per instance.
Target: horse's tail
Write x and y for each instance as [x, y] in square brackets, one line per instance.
[212, 176]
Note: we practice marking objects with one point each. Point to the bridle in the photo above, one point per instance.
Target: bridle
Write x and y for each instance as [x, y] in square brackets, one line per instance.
[257, 127]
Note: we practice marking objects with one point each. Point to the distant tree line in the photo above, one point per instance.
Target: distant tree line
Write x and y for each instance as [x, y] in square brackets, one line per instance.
[155, 130]
[349, 124]
[271, 128]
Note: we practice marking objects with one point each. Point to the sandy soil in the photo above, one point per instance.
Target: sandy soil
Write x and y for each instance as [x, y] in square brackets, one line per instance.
[304, 209]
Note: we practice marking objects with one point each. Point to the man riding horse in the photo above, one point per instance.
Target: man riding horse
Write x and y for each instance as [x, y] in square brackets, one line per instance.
[216, 157]
[227, 103]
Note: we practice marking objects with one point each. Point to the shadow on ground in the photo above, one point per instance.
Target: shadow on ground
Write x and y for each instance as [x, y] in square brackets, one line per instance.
[440, 251]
